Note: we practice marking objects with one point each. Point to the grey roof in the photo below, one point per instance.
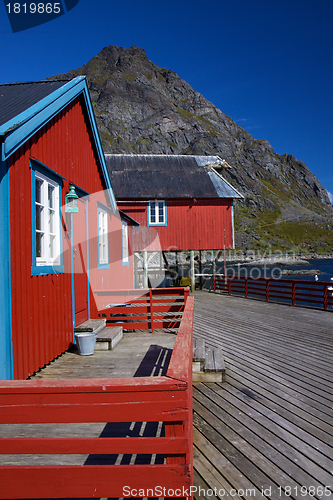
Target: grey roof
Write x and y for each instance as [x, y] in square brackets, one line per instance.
[15, 98]
[167, 176]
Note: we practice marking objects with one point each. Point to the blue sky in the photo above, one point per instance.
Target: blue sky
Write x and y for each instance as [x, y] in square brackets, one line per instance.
[267, 64]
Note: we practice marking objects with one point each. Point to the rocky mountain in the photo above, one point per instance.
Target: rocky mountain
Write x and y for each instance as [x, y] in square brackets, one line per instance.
[142, 108]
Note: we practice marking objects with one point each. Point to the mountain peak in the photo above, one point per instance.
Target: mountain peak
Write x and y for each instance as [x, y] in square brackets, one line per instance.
[119, 56]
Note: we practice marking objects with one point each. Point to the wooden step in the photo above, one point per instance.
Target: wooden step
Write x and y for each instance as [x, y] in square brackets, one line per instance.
[208, 363]
[198, 355]
[108, 338]
[91, 326]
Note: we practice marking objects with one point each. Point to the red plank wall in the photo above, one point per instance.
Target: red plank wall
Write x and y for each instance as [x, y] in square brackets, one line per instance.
[42, 323]
[201, 225]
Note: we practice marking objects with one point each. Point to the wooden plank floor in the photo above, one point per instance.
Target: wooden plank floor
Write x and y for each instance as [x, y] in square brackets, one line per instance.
[268, 431]
[138, 354]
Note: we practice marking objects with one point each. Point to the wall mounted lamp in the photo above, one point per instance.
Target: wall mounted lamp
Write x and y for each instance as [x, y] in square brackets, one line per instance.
[71, 205]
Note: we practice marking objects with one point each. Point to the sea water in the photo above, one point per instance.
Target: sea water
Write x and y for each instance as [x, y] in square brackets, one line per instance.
[324, 266]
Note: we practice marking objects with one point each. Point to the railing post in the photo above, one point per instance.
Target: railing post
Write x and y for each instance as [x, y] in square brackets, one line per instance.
[293, 294]
[229, 290]
[151, 310]
[186, 294]
[246, 286]
[175, 429]
[267, 291]
[325, 297]
[214, 283]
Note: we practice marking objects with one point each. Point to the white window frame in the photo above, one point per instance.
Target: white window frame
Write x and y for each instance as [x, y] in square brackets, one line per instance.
[155, 217]
[103, 237]
[47, 222]
[124, 243]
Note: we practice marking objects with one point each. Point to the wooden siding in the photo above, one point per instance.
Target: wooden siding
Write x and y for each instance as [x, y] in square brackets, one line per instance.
[42, 325]
[200, 225]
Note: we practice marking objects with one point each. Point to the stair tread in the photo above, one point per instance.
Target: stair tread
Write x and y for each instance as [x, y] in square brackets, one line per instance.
[108, 333]
[210, 358]
[199, 350]
[218, 358]
[91, 325]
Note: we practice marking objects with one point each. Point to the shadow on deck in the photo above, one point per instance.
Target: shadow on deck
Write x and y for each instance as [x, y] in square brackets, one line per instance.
[266, 432]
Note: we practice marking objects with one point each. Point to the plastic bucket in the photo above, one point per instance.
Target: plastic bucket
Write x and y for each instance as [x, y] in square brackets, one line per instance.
[85, 342]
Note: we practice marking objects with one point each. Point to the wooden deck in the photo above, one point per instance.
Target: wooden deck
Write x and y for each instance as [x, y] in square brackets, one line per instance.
[269, 426]
[268, 431]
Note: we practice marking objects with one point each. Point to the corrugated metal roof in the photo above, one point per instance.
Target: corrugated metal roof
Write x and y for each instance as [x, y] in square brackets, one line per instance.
[15, 98]
[167, 176]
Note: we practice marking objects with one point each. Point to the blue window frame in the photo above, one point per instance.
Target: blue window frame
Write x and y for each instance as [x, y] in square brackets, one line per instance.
[46, 221]
[103, 236]
[157, 213]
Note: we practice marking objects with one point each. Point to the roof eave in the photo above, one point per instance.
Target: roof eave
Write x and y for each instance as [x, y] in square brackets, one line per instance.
[125, 216]
[238, 195]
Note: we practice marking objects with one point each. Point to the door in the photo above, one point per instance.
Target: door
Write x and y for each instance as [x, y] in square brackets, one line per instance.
[80, 264]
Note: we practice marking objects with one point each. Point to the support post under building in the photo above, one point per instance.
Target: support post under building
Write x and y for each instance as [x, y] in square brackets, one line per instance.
[145, 269]
[192, 271]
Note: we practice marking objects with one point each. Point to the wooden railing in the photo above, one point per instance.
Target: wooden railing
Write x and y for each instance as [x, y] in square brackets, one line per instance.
[144, 309]
[317, 294]
[166, 399]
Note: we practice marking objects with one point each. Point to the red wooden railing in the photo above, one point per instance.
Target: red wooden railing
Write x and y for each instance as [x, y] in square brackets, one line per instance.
[317, 294]
[166, 399]
[146, 309]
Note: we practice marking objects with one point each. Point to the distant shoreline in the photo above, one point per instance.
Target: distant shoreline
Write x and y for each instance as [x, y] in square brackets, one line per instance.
[278, 260]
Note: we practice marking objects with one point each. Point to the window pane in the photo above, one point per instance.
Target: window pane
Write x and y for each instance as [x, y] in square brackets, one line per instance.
[152, 213]
[161, 211]
[39, 218]
[39, 244]
[103, 237]
[51, 193]
[52, 247]
[51, 221]
[47, 227]
[125, 242]
[38, 188]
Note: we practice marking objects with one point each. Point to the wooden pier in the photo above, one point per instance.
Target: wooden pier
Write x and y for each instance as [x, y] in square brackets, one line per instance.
[268, 431]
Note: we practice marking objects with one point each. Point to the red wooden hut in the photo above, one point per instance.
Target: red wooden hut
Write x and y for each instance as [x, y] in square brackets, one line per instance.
[52, 260]
[182, 202]
[183, 198]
